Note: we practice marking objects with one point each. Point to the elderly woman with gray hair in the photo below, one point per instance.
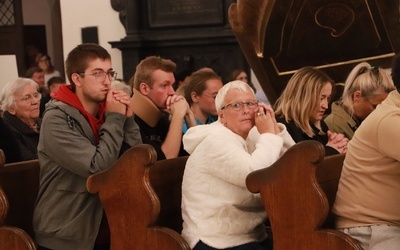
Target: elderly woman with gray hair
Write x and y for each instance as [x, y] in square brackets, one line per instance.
[218, 210]
[20, 104]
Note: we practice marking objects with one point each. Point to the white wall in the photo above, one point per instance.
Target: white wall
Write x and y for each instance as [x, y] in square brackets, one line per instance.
[37, 12]
[9, 71]
[77, 14]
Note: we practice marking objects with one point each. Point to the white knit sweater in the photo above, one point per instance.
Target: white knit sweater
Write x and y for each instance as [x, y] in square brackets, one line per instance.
[217, 208]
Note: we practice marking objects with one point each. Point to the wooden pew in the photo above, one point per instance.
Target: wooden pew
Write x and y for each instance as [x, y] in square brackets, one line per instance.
[298, 192]
[142, 200]
[19, 184]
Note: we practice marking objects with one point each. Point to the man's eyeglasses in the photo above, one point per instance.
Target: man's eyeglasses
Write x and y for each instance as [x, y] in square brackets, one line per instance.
[239, 105]
[29, 98]
[100, 76]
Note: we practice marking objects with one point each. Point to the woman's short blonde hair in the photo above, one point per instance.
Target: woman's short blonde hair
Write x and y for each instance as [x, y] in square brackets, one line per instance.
[301, 96]
[367, 79]
[242, 86]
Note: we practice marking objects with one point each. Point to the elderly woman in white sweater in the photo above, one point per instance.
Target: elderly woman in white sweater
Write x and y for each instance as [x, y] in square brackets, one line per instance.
[218, 210]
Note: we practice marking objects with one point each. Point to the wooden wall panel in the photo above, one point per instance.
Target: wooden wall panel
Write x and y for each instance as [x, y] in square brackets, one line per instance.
[279, 37]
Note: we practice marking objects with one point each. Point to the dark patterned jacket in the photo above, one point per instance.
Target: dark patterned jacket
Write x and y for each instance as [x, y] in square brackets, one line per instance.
[25, 136]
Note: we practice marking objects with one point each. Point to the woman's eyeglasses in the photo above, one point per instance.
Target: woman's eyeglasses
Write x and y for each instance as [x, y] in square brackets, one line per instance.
[29, 98]
[240, 105]
[372, 105]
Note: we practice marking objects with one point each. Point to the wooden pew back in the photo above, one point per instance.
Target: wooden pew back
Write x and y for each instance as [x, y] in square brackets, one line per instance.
[142, 200]
[19, 183]
[328, 173]
[296, 204]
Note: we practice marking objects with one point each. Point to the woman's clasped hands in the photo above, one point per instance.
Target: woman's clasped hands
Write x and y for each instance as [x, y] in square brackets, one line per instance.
[337, 141]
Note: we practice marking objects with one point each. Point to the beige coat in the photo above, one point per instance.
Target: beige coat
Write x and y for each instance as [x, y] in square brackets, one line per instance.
[369, 188]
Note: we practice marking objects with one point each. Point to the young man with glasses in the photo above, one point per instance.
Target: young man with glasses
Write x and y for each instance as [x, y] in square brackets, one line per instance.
[159, 112]
[84, 128]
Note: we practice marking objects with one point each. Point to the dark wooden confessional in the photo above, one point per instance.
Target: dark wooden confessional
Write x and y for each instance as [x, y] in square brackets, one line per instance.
[279, 37]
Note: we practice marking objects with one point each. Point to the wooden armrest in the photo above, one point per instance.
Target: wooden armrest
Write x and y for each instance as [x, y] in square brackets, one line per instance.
[15, 238]
[295, 203]
[131, 204]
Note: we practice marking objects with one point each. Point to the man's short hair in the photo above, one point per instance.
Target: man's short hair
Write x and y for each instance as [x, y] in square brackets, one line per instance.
[78, 59]
[147, 66]
[55, 80]
[32, 70]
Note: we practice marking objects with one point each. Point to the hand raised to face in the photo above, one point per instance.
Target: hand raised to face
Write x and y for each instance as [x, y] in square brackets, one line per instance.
[265, 119]
[125, 99]
[177, 105]
[115, 102]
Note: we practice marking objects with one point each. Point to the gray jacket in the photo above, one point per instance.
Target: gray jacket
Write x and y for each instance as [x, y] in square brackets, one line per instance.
[66, 215]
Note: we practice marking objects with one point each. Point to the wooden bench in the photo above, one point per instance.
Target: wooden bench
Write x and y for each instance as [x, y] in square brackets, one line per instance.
[142, 200]
[298, 192]
[19, 183]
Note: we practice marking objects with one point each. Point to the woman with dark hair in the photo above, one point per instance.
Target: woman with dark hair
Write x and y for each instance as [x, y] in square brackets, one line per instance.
[44, 62]
[200, 93]
[240, 74]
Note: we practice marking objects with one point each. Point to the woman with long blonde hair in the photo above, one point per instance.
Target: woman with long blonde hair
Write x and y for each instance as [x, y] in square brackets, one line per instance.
[302, 105]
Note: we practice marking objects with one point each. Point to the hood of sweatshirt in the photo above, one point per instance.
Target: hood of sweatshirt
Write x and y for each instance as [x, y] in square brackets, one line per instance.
[195, 135]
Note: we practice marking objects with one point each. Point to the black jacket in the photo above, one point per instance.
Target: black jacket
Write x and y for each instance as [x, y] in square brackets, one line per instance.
[26, 137]
[320, 135]
[8, 143]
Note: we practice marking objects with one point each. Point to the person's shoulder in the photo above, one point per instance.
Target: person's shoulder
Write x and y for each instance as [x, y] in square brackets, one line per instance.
[290, 125]
[56, 108]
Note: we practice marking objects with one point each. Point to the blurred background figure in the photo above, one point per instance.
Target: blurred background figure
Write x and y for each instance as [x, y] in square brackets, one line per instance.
[364, 89]
[122, 85]
[54, 84]
[44, 62]
[20, 104]
[37, 75]
[200, 93]
[240, 74]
